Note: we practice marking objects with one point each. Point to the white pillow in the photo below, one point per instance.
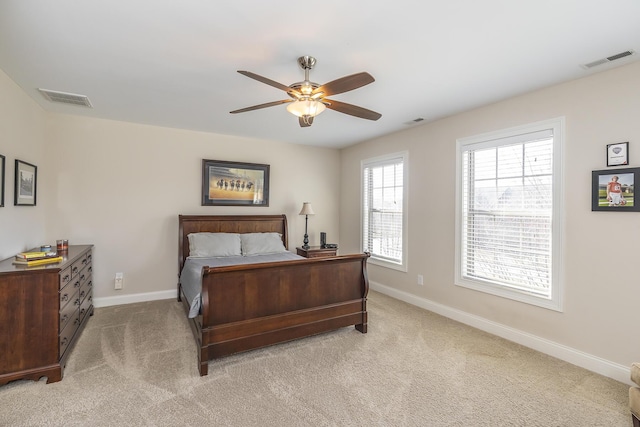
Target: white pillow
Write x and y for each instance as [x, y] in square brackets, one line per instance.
[205, 245]
[261, 243]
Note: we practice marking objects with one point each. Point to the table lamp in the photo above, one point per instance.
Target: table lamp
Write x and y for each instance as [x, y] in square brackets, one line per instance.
[306, 211]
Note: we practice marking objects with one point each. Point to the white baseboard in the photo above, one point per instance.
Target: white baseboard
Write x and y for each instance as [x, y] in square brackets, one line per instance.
[576, 357]
[131, 298]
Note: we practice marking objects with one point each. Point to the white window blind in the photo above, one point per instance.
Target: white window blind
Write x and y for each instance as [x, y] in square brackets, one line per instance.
[383, 213]
[508, 209]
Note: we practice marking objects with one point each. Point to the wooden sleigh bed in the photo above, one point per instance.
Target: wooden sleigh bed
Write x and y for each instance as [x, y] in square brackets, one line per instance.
[249, 306]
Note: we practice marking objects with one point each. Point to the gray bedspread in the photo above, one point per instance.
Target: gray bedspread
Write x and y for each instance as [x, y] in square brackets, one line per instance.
[191, 275]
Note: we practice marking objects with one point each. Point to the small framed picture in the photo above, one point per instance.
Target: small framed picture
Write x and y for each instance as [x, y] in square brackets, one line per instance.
[2, 180]
[234, 183]
[618, 154]
[25, 184]
[614, 190]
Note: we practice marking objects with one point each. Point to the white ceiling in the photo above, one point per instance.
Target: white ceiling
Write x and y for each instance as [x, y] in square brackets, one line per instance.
[173, 63]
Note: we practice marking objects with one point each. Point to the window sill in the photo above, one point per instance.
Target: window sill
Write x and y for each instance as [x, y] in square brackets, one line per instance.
[387, 264]
[512, 294]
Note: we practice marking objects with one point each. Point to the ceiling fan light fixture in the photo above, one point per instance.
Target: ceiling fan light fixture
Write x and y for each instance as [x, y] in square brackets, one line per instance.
[306, 107]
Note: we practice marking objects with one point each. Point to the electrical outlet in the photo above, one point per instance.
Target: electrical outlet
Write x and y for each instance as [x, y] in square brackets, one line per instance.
[420, 280]
[119, 280]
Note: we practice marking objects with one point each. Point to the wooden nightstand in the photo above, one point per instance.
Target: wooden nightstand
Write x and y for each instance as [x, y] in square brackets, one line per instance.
[317, 252]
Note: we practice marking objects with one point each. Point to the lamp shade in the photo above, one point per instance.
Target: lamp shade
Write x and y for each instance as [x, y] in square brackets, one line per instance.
[306, 209]
[306, 107]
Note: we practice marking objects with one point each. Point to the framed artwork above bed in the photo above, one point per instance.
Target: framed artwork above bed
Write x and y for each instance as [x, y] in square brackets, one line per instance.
[234, 184]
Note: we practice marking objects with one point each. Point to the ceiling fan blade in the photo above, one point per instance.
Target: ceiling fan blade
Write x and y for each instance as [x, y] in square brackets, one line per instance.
[305, 121]
[345, 84]
[269, 82]
[257, 107]
[353, 110]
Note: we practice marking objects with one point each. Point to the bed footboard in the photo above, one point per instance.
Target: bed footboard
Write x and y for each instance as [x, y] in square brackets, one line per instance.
[251, 306]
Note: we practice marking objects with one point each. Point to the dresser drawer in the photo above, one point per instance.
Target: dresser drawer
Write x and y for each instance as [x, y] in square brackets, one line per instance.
[67, 295]
[84, 274]
[67, 333]
[72, 286]
[65, 277]
[78, 265]
[85, 289]
[85, 307]
[67, 313]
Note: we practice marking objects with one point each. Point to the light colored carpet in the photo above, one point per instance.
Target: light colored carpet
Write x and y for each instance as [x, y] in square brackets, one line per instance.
[135, 365]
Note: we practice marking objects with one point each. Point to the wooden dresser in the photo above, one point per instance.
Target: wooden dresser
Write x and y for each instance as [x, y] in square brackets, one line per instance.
[43, 310]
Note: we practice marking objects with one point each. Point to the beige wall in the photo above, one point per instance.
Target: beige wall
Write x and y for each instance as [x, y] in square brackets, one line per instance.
[600, 304]
[22, 136]
[121, 187]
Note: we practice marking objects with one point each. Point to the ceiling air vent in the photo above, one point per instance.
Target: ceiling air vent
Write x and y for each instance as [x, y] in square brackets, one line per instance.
[607, 59]
[65, 98]
[414, 121]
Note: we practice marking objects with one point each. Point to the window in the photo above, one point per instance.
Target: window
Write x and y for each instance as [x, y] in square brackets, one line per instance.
[384, 210]
[508, 205]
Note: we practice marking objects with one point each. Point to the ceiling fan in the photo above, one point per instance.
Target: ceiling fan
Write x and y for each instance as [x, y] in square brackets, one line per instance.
[308, 99]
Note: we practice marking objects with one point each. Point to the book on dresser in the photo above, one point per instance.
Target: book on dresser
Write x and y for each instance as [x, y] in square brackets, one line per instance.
[38, 261]
[33, 255]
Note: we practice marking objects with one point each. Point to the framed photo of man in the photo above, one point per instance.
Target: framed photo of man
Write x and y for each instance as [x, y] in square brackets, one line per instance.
[614, 190]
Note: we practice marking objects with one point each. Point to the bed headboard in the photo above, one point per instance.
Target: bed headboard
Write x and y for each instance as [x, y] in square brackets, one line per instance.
[227, 224]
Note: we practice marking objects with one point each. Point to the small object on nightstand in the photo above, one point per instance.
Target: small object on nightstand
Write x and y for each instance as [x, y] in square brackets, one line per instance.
[317, 251]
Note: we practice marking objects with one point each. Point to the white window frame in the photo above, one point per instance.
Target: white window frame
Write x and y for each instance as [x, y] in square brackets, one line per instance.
[404, 155]
[491, 139]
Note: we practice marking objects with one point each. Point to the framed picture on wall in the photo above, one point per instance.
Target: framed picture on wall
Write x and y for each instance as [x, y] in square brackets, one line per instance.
[614, 190]
[26, 184]
[618, 154]
[2, 180]
[234, 184]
